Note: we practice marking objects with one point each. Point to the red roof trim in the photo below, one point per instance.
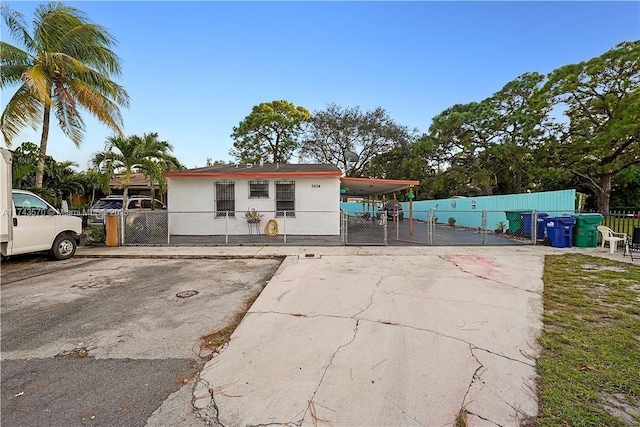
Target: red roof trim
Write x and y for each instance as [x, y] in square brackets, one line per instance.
[251, 174]
[380, 181]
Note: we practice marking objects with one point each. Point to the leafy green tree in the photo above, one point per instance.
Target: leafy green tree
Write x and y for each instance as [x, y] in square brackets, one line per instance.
[601, 99]
[62, 180]
[211, 162]
[464, 133]
[270, 133]
[64, 65]
[93, 180]
[337, 133]
[521, 123]
[145, 154]
[24, 160]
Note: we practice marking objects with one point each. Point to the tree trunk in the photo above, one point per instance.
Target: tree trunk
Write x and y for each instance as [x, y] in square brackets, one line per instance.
[603, 194]
[517, 182]
[153, 194]
[43, 146]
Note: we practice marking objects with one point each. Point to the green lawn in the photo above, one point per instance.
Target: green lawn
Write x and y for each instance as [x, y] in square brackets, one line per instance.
[589, 367]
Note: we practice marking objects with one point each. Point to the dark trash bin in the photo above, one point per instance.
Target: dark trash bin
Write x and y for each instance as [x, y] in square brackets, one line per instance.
[585, 233]
[527, 224]
[540, 225]
[560, 230]
[515, 222]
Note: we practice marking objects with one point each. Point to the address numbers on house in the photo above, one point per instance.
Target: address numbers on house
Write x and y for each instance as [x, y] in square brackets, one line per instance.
[315, 185]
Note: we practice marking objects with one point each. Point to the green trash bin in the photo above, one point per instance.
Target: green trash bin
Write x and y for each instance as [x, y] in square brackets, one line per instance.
[585, 233]
[516, 225]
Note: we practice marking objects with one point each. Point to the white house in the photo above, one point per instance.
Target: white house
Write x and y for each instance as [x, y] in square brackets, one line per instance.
[302, 199]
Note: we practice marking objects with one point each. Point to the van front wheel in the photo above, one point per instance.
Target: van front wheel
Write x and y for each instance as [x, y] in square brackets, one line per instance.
[63, 247]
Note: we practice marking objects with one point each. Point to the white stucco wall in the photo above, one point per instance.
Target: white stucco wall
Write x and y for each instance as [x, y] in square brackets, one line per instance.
[191, 206]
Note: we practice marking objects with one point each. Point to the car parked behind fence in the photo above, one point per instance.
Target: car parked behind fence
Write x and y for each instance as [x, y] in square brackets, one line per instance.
[113, 205]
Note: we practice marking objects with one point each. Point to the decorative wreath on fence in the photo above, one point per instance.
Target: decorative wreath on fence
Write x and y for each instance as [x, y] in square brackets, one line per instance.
[271, 229]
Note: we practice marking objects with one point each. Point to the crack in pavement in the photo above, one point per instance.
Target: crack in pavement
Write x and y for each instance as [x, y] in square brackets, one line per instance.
[335, 316]
[474, 377]
[487, 278]
[204, 413]
[483, 418]
[518, 412]
[355, 332]
[477, 377]
[400, 409]
[373, 294]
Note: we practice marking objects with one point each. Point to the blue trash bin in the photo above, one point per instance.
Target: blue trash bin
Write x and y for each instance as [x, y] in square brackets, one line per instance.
[540, 225]
[560, 230]
[527, 224]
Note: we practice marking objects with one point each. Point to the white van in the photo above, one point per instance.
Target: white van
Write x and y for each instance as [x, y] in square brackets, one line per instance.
[30, 224]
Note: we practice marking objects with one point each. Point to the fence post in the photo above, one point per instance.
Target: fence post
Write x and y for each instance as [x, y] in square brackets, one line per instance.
[484, 227]
[122, 222]
[284, 226]
[534, 227]
[343, 229]
[226, 228]
[168, 234]
[386, 229]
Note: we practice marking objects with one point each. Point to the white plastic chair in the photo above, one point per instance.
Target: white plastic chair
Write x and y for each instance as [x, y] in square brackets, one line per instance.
[608, 235]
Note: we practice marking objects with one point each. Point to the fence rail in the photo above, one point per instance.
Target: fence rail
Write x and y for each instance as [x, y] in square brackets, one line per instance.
[432, 227]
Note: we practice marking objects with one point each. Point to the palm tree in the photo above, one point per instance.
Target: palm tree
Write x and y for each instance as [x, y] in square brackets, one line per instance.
[145, 154]
[158, 160]
[65, 64]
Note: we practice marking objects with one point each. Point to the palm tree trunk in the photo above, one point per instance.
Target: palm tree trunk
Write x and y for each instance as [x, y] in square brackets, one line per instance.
[43, 145]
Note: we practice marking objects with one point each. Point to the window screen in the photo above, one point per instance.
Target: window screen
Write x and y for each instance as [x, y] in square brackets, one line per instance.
[225, 199]
[258, 189]
[285, 198]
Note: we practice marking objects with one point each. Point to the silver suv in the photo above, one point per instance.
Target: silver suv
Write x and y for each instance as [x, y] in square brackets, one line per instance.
[113, 205]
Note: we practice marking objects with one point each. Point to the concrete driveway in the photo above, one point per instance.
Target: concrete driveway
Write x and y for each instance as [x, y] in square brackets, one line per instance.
[409, 336]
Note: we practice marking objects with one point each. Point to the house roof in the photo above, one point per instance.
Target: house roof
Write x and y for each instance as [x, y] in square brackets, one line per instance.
[258, 171]
[361, 187]
[364, 187]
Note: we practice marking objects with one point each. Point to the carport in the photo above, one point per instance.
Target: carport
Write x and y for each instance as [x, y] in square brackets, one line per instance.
[363, 227]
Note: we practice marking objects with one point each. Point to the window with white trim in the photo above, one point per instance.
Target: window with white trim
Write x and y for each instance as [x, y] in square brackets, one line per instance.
[225, 199]
[258, 189]
[285, 198]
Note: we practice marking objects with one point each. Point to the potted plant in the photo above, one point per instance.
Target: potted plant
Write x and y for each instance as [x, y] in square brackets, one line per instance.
[452, 222]
[252, 216]
[500, 227]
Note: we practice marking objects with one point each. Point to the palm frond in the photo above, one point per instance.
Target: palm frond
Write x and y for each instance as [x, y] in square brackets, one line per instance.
[39, 83]
[22, 110]
[17, 27]
[68, 115]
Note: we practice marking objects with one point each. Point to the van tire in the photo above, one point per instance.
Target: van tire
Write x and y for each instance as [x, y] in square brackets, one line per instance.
[64, 247]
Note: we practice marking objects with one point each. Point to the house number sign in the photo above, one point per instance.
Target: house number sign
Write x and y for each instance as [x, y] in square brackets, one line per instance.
[315, 185]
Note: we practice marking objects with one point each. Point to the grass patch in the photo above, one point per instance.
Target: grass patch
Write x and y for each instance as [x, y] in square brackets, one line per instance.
[589, 367]
[220, 337]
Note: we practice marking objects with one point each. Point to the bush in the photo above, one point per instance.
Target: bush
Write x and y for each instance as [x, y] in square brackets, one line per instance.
[452, 221]
[96, 234]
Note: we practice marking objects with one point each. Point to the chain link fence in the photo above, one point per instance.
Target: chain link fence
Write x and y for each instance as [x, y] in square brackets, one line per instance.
[423, 228]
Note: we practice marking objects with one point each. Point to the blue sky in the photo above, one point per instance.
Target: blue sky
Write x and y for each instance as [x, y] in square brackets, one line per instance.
[194, 70]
